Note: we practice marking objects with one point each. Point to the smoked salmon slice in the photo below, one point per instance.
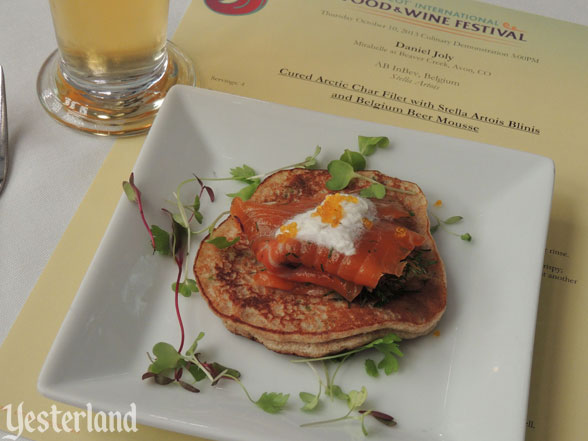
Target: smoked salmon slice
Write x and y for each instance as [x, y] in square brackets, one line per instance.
[380, 249]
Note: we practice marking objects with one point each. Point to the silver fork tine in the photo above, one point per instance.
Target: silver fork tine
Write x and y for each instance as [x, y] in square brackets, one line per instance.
[3, 132]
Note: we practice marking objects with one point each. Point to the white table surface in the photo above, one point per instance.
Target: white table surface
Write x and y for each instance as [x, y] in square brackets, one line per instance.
[51, 166]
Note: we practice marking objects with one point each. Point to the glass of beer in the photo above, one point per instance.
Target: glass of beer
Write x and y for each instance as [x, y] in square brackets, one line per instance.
[113, 66]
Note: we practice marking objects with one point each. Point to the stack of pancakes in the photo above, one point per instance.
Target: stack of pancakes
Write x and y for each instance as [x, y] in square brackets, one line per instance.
[308, 320]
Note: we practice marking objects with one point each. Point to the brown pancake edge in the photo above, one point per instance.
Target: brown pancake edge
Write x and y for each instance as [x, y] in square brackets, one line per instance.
[306, 321]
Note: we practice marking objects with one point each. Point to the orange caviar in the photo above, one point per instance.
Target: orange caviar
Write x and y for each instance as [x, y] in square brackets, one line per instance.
[288, 231]
[331, 211]
[368, 224]
[400, 231]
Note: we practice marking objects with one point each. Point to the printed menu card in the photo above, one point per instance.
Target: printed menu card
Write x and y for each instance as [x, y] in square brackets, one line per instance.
[458, 68]
[453, 67]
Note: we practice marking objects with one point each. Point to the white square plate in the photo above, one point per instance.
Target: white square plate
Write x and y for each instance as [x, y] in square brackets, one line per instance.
[468, 383]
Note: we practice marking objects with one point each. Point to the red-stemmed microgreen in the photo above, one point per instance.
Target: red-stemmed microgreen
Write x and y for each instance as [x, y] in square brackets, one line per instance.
[162, 240]
[134, 195]
[204, 187]
[181, 242]
[382, 417]
[169, 360]
[180, 247]
[177, 243]
[169, 364]
[270, 402]
[182, 220]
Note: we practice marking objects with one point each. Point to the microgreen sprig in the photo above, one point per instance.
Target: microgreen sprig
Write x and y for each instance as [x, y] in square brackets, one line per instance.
[355, 159]
[247, 175]
[177, 243]
[311, 400]
[342, 173]
[134, 195]
[355, 399]
[331, 389]
[467, 237]
[369, 144]
[222, 242]
[184, 221]
[387, 345]
[180, 248]
[309, 162]
[344, 169]
[270, 402]
[168, 359]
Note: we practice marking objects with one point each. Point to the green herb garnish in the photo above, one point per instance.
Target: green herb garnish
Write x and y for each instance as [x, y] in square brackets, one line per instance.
[243, 173]
[466, 237]
[370, 368]
[271, 402]
[342, 173]
[356, 160]
[246, 192]
[162, 240]
[344, 169]
[369, 144]
[452, 220]
[222, 242]
[311, 401]
[186, 288]
[355, 399]
[169, 365]
[387, 345]
[377, 191]
[247, 175]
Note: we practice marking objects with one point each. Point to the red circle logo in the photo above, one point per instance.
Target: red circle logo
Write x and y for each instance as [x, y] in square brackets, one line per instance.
[235, 7]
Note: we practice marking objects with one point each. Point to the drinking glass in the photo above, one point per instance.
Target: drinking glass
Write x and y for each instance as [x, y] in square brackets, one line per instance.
[113, 66]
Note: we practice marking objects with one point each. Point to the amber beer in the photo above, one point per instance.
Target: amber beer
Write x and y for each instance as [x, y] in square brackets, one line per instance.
[113, 67]
[102, 40]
